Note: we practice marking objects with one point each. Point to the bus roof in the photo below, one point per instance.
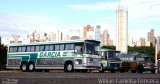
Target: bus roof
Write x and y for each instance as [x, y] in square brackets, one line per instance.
[52, 42]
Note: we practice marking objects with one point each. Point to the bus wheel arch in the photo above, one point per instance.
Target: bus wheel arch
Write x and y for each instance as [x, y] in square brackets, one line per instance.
[31, 66]
[68, 66]
[23, 66]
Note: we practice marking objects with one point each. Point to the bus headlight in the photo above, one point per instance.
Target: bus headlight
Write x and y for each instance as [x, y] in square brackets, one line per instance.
[76, 62]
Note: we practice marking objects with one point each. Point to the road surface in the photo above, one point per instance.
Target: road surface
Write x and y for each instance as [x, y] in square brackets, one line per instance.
[77, 78]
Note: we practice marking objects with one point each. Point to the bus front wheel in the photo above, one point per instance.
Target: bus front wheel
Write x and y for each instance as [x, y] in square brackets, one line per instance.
[101, 70]
[68, 67]
[24, 66]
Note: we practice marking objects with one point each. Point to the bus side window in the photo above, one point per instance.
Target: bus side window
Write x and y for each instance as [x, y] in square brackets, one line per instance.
[32, 48]
[41, 48]
[10, 49]
[15, 49]
[69, 47]
[51, 47]
[19, 49]
[57, 47]
[28, 49]
[46, 47]
[62, 47]
[37, 48]
[79, 49]
[23, 49]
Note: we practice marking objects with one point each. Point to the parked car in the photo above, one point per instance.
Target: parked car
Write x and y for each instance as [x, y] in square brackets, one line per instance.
[137, 62]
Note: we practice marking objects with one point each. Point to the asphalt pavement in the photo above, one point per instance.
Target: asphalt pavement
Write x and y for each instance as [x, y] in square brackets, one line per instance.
[77, 78]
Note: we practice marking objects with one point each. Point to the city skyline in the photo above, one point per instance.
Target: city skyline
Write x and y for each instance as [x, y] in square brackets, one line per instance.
[22, 17]
[75, 35]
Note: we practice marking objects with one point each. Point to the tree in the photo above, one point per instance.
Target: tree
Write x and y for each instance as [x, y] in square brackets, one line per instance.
[3, 57]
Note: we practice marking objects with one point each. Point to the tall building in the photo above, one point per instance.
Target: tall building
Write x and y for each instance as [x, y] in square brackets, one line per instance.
[147, 43]
[122, 29]
[151, 37]
[15, 39]
[106, 38]
[110, 42]
[101, 40]
[42, 36]
[98, 33]
[74, 34]
[143, 42]
[51, 36]
[88, 32]
[130, 40]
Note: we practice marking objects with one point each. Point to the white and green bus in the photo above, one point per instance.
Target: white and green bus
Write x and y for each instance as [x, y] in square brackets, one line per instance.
[68, 55]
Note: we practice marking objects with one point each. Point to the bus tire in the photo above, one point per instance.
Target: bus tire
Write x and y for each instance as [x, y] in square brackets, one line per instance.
[68, 67]
[31, 66]
[101, 70]
[133, 71]
[23, 66]
[153, 71]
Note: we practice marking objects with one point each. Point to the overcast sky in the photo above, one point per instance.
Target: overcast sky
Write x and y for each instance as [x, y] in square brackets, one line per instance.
[25, 16]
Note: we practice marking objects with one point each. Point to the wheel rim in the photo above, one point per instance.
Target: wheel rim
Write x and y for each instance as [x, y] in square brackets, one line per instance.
[101, 68]
[24, 67]
[31, 67]
[69, 67]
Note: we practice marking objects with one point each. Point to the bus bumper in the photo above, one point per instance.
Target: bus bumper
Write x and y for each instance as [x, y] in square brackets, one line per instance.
[88, 67]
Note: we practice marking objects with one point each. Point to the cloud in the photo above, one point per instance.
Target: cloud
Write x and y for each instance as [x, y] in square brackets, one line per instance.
[141, 14]
[25, 23]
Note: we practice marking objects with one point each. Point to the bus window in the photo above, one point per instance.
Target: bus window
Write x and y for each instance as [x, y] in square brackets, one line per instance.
[23, 49]
[112, 54]
[32, 48]
[11, 49]
[28, 49]
[51, 47]
[41, 48]
[90, 48]
[79, 48]
[19, 49]
[69, 47]
[15, 49]
[62, 47]
[97, 49]
[57, 47]
[37, 48]
[46, 47]
[103, 56]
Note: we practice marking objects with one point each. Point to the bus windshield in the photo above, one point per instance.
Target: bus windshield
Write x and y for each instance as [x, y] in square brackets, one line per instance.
[92, 48]
[113, 54]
